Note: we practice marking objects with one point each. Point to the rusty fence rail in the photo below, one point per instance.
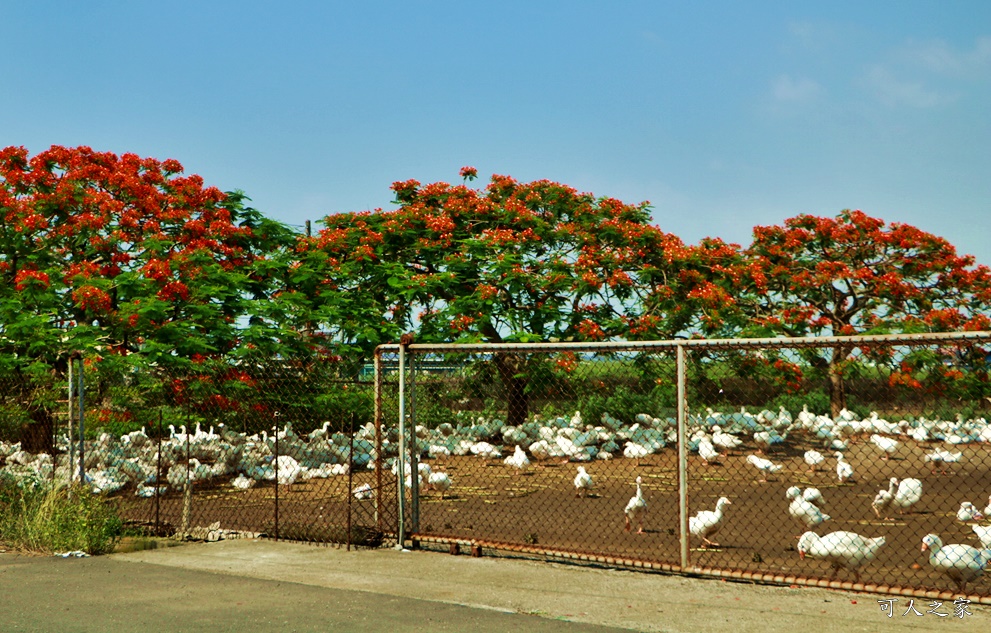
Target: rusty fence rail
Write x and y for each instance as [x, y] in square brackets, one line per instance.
[825, 462]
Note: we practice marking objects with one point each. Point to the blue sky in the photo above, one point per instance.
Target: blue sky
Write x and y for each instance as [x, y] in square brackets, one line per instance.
[724, 115]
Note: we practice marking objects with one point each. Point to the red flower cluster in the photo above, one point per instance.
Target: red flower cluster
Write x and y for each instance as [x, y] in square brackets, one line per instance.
[897, 378]
[92, 299]
[28, 278]
[567, 361]
[174, 290]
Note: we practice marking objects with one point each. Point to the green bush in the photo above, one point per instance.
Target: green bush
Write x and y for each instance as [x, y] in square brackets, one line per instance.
[624, 404]
[816, 401]
[55, 518]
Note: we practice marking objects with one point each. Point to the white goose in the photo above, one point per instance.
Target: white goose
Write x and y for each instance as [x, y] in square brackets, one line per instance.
[886, 444]
[362, 492]
[583, 482]
[241, 482]
[518, 460]
[804, 510]
[962, 563]
[632, 450]
[942, 457]
[765, 466]
[844, 471]
[708, 452]
[707, 522]
[725, 440]
[635, 509]
[968, 512]
[983, 533]
[287, 471]
[847, 550]
[440, 481]
[987, 510]
[812, 495]
[486, 450]
[813, 459]
[766, 439]
[900, 495]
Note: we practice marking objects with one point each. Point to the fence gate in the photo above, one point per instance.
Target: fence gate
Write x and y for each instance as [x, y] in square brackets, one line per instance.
[825, 462]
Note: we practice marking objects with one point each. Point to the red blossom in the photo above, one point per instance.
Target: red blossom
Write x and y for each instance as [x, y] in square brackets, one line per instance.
[174, 291]
[92, 299]
[25, 279]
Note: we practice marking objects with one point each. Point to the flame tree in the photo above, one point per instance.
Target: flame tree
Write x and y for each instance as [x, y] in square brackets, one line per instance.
[855, 274]
[120, 254]
[514, 262]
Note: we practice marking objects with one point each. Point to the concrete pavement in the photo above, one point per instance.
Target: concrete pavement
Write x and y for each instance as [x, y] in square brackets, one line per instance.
[282, 586]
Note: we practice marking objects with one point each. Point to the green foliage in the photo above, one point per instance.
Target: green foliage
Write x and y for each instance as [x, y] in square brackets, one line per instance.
[53, 518]
[431, 413]
[624, 404]
[346, 403]
[816, 401]
[13, 417]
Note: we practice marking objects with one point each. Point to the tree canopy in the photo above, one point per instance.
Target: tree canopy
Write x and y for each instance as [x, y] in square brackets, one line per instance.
[122, 254]
[855, 274]
[514, 262]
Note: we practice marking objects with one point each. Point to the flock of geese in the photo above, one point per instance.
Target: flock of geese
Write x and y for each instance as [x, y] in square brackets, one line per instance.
[723, 434]
[154, 466]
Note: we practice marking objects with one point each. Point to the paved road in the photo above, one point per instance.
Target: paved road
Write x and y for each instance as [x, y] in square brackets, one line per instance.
[255, 586]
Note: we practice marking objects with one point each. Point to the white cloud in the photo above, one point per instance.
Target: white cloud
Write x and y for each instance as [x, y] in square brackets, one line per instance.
[801, 89]
[816, 36]
[939, 58]
[928, 74]
[894, 91]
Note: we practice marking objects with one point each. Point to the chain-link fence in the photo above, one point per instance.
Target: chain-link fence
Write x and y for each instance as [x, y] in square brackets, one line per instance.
[217, 450]
[600, 452]
[809, 461]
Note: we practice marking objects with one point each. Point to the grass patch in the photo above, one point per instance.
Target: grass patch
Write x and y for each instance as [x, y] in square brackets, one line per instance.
[48, 518]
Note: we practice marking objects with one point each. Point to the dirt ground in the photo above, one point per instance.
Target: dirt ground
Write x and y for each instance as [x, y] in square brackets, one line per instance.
[489, 501]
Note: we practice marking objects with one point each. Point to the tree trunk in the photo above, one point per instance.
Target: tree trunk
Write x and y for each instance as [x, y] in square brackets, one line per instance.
[837, 392]
[837, 386]
[37, 436]
[515, 381]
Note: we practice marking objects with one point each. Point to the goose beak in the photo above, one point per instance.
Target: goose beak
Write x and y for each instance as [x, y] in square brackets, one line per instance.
[924, 547]
[801, 554]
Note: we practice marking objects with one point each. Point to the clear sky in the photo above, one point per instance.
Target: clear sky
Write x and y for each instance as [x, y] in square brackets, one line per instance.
[724, 115]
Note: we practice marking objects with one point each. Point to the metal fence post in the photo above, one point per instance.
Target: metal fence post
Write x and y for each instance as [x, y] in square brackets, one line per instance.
[682, 460]
[187, 493]
[275, 462]
[401, 457]
[414, 465]
[378, 441]
[82, 426]
[72, 414]
[350, 480]
[158, 477]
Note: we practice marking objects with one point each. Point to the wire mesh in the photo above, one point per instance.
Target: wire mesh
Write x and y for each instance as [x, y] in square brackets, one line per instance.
[219, 450]
[549, 450]
[553, 449]
[870, 446]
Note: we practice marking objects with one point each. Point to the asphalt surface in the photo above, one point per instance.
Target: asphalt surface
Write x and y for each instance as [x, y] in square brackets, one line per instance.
[261, 585]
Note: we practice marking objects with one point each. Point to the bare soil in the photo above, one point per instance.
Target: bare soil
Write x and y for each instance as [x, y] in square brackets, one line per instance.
[489, 501]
